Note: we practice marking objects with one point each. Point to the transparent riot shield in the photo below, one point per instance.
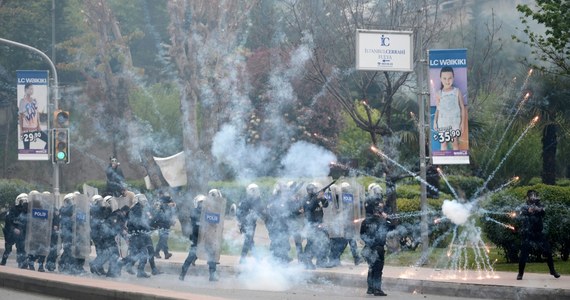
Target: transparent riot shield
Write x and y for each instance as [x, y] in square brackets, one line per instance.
[351, 204]
[359, 214]
[81, 246]
[333, 218]
[122, 201]
[210, 235]
[90, 191]
[112, 203]
[40, 217]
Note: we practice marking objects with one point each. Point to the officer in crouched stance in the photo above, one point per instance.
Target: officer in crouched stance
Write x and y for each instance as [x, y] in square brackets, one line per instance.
[373, 232]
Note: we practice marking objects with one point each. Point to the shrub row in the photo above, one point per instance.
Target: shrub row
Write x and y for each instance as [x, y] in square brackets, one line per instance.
[499, 207]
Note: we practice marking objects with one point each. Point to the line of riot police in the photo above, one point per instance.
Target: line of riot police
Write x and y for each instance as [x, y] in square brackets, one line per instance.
[321, 222]
[61, 238]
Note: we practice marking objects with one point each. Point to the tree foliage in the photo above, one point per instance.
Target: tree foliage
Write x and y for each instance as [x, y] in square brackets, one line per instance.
[553, 45]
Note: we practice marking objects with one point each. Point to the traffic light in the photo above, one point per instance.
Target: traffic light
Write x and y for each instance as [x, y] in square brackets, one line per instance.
[60, 119]
[60, 145]
[60, 137]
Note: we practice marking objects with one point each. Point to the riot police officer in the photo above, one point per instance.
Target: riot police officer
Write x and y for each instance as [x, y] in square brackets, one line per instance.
[373, 232]
[373, 199]
[195, 221]
[15, 231]
[98, 213]
[532, 214]
[140, 243]
[66, 263]
[207, 220]
[53, 248]
[248, 211]
[275, 216]
[317, 239]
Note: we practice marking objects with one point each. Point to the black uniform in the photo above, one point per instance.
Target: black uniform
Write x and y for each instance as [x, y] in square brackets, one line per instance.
[317, 238]
[275, 217]
[113, 226]
[192, 256]
[15, 234]
[373, 232]
[248, 211]
[294, 221]
[66, 261]
[98, 214]
[532, 215]
[115, 180]
[140, 243]
[163, 220]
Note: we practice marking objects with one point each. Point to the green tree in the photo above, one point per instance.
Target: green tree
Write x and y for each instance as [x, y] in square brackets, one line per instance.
[550, 95]
[553, 45]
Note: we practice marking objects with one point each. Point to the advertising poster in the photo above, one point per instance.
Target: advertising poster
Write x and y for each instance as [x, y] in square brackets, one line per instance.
[449, 139]
[32, 97]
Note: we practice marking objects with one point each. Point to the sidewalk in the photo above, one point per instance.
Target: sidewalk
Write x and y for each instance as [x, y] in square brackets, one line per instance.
[497, 285]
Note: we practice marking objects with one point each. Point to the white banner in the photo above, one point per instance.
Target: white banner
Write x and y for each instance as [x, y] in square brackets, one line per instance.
[173, 169]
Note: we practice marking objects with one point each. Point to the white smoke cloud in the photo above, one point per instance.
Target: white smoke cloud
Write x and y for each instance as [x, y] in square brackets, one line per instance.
[267, 275]
[247, 161]
[306, 160]
[457, 212]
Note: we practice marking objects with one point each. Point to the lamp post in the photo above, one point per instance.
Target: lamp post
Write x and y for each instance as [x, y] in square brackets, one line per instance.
[55, 101]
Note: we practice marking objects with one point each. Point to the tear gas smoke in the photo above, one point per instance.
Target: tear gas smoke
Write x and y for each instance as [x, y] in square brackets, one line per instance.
[306, 160]
[457, 212]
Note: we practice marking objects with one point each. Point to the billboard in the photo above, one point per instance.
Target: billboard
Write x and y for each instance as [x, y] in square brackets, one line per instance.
[448, 106]
[32, 97]
[384, 50]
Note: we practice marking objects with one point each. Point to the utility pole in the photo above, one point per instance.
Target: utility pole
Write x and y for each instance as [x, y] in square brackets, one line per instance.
[55, 101]
[422, 128]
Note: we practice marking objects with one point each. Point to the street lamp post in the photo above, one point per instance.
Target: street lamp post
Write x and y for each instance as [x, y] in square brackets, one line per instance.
[55, 101]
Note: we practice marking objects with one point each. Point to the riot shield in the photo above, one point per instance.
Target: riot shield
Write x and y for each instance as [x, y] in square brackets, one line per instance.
[40, 217]
[359, 213]
[210, 235]
[113, 204]
[90, 191]
[333, 218]
[350, 204]
[122, 201]
[81, 246]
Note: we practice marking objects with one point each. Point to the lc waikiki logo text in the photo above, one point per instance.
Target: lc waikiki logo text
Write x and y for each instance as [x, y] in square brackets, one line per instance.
[24, 80]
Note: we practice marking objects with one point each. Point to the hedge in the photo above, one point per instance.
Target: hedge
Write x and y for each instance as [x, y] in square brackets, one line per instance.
[556, 200]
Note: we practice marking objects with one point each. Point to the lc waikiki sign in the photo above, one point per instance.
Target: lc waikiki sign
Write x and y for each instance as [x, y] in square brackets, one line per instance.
[448, 106]
[384, 50]
[32, 99]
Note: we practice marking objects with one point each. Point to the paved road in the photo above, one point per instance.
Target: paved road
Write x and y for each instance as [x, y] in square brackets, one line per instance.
[230, 288]
[19, 295]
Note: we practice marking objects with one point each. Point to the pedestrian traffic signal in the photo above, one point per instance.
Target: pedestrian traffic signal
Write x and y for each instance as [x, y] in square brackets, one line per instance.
[60, 145]
[60, 119]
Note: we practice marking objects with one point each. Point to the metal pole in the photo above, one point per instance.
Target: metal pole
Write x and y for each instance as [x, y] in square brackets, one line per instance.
[423, 192]
[55, 101]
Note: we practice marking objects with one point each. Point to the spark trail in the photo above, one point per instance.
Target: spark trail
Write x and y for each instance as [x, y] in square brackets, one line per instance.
[414, 175]
[512, 119]
[484, 186]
